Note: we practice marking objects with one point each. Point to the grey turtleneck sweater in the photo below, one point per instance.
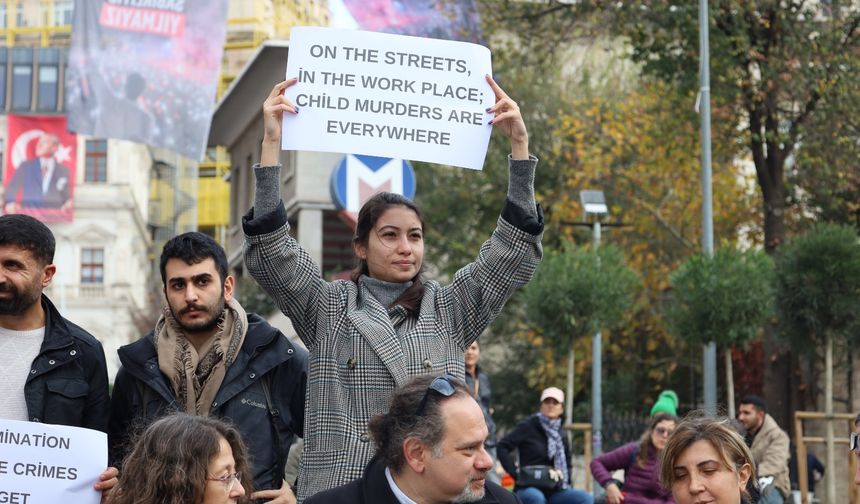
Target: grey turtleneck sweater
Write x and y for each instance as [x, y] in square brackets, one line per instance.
[521, 193]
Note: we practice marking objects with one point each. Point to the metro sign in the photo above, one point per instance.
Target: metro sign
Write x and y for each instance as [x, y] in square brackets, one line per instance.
[357, 178]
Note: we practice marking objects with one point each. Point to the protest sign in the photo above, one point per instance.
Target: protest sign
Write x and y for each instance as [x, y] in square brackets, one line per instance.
[47, 464]
[389, 95]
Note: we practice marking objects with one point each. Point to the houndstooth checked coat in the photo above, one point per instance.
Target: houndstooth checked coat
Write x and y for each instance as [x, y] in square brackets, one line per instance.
[360, 351]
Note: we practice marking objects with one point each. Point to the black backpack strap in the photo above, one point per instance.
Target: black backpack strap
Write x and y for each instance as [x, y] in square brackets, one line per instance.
[274, 415]
[630, 461]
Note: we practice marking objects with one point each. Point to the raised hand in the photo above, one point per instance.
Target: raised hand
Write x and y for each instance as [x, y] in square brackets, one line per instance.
[273, 114]
[509, 120]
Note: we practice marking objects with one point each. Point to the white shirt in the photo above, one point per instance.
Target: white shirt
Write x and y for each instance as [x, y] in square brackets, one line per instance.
[17, 349]
[48, 165]
[401, 497]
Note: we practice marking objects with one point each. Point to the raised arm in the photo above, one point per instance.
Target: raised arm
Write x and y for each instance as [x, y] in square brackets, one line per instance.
[508, 259]
[274, 258]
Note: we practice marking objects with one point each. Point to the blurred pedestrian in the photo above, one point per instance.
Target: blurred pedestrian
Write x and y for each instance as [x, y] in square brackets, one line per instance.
[814, 472]
[705, 460]
[479, 386]
[182, 459]
[368, 334]
[769, 446]
[543, 473]
[640, 461]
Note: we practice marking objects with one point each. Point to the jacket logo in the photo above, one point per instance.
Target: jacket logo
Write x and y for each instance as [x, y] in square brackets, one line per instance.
[255, 404]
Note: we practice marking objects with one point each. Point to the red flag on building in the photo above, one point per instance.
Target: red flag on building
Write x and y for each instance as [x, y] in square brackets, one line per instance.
[40, 168]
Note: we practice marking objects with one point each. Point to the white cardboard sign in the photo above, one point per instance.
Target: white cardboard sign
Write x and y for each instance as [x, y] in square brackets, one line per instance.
[389, 95]
[47, 464]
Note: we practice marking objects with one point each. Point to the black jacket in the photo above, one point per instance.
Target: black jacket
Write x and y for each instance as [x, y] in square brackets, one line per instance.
[141, 393]
[68, 383]
[529, 440]
[373, 488]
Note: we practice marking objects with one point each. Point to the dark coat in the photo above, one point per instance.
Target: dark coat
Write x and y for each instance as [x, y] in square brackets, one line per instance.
[373, 488]
[68, 383]
[142, 394]
[28, 179]
[529, 440]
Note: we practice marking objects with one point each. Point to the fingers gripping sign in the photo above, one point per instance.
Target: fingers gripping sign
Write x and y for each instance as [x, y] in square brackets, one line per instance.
[509, 120]
[273, 116]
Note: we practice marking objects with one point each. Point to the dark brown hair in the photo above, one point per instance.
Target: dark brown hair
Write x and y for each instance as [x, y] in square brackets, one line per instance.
[391, 429]
[169, 462]
[645, 439]
[369, 214]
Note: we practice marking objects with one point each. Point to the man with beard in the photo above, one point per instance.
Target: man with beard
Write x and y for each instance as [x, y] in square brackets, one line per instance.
[769, 445]
[53, 371]
[429, 450]
[207, 356]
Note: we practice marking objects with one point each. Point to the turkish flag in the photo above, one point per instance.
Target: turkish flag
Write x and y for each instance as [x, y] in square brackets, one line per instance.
[41, 164]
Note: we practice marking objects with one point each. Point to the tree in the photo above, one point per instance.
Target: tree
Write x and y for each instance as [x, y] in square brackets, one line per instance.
[725, 298]
[574, 293]
[778, 68]
[818, 300]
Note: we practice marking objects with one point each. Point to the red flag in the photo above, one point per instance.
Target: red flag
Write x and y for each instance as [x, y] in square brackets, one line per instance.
[40, 168]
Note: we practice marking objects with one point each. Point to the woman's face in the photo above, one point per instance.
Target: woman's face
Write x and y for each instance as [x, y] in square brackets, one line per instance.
[222, 484]
[661, 432]
[700, 477]
[395, 246]
[551, 408]
[472, 354]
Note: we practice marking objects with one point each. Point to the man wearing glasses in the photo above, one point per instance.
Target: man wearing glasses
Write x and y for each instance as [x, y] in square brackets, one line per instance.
[429, 450]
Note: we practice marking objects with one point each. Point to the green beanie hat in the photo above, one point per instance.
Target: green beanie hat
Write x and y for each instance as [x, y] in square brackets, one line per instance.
[667, 402]
[670, 394]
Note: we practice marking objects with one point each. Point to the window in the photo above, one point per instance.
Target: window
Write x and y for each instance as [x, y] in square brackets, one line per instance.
[3, 15]
[49, 72]
[22, 78]
[63, 12]
[92, 265]
[96, 161]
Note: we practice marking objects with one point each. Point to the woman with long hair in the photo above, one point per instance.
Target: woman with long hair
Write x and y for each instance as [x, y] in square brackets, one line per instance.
[640, 461]
[387, 323]
[706, 460]
[185, 459]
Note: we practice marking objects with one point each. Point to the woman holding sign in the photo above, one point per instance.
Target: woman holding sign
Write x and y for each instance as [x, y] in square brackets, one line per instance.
[371, 333]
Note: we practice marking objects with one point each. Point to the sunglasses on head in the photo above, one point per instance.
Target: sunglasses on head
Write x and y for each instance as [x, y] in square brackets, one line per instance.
[442, 385]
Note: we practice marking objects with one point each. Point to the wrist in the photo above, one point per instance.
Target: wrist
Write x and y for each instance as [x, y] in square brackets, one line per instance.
[520, 151]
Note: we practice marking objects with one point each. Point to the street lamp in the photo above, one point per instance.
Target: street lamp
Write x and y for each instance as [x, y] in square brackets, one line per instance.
[594, 205]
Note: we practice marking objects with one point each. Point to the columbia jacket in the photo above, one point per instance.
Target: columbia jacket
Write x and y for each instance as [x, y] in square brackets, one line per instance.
[263, 395]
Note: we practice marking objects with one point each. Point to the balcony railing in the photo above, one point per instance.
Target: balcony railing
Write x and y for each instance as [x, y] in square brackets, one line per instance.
[87, 292]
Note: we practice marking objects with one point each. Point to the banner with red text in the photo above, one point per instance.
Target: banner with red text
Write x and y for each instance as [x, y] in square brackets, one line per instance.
[146, 70]
[39, 178]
